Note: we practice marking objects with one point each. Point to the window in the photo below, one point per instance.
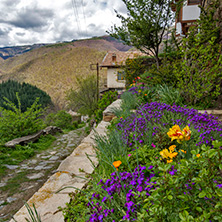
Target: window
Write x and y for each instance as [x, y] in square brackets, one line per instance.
[193, 2]
[120, 75]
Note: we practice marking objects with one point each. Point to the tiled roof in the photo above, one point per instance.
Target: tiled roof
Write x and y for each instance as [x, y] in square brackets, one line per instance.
[115, 59]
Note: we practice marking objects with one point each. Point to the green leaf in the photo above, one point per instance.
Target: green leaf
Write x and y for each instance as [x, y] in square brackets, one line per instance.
[202, 194]
[199, 209]
[218, 205]
[181, 217]
[219, 192]
[170, 197]
[218, 218]
[212, 153]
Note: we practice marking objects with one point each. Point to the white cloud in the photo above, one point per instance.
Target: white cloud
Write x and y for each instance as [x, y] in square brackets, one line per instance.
[47, 21]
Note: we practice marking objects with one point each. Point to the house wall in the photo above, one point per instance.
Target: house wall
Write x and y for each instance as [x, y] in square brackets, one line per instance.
[112, 79]
[190, 12]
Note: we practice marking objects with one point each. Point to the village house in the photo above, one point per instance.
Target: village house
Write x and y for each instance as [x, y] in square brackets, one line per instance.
[114, 62]
[188, 14]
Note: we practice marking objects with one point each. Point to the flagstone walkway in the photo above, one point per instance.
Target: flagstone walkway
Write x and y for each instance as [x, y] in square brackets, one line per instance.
[23, 180]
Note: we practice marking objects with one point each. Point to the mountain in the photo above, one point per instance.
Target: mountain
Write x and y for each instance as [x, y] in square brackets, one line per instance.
[54, 67]
[8, 52]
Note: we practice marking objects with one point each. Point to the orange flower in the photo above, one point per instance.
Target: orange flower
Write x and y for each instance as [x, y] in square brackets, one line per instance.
[116, 164]
[184, 151]
[172, 155]
[198, 155]
[169, 155]
[145, 94]
[172, 148]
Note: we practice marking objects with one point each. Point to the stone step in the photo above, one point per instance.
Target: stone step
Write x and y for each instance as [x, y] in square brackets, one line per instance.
[108, 113]
[216, 113]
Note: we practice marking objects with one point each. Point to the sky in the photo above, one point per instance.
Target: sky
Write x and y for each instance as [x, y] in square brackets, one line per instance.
[24, 22]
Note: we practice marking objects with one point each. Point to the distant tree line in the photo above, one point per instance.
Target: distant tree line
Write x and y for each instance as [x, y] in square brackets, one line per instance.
[27, 94]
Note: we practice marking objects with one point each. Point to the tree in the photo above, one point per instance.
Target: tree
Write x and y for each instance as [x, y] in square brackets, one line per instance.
[145, 24]
[27, 95]
[14, 123]
[84, 98]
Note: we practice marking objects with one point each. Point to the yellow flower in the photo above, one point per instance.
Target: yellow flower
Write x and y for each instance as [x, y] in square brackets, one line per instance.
[186, 133]
[169, 155]
[184, 151]
[116, 164]
[172, 148]
[164, 153]
[198, 155]
[175, 133]
[172, 155]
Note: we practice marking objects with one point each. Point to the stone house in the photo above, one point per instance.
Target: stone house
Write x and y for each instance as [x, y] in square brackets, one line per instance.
[114, 62]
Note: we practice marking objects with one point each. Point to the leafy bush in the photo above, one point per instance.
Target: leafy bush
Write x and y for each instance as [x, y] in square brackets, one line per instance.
[134, 68]
[187, 190]
[168, 94]
[199, 75]
[61, 119]
[84, 98]
[103, 102]
[27, 93]
[76, 210]
[15, 123]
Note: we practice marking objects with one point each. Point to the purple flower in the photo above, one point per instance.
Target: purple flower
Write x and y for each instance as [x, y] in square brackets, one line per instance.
[150, 167]
[100, 217]
[219, 185]
[154, 146]
[104, 199]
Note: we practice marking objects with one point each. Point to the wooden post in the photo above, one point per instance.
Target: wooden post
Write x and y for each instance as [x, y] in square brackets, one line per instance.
[97, 78]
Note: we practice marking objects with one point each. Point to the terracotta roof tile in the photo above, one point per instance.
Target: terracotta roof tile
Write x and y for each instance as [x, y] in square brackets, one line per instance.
[115, 59]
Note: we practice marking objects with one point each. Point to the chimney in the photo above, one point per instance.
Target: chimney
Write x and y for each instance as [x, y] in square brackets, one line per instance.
[113, 58]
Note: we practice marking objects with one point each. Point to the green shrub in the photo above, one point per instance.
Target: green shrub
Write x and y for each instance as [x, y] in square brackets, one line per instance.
[136, 67]
[163, 75]
[14, 123]
[103, 102]
[27, 94]
[83, 99]
[61, 119]
[199, 74]
[189, 190]
[76, 210]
